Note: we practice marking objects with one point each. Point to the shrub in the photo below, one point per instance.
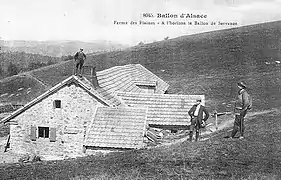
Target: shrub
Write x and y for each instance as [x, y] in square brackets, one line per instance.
[12, 69]
[30, 158]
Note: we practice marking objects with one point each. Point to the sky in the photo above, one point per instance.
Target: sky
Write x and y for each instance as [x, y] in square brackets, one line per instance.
[90, 20]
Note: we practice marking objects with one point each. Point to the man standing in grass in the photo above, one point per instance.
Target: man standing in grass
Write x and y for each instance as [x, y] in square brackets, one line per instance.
[79, 61]
[199, 116]
[245, 102]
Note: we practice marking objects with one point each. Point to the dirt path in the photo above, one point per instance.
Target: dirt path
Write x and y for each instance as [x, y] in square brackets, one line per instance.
[229, 119]
[227, 122]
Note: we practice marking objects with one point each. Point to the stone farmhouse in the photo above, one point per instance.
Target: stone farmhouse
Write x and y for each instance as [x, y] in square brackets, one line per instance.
[109, 109]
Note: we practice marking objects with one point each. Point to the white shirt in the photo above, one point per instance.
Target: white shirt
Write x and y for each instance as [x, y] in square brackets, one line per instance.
[197, 110]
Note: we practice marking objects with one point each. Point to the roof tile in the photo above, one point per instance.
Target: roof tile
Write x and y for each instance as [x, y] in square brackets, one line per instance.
[163, 109]
[117, 127]
[127, 77]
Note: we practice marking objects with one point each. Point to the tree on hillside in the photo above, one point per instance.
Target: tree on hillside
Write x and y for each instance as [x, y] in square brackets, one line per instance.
[12, 69]
[141, 43]
[50, 62]
[1, 70]
[67, 58]
[35, 65]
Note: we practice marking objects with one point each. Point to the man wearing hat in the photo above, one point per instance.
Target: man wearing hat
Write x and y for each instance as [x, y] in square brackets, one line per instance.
[79, 59]
[245, 104]
[199, 116]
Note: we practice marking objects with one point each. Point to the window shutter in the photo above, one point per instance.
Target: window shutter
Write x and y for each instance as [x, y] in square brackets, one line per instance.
[33, 133]
[52, 134]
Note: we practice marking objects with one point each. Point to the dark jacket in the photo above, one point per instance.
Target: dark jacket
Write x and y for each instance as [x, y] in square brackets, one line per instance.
[244, 100]
[79, 56]
[201, 113]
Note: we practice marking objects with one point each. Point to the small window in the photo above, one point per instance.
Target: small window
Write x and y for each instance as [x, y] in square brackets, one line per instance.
[43, 132]
[57, 103]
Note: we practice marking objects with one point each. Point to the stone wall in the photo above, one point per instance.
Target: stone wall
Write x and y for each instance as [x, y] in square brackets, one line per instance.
[70, 121]
[4, 130]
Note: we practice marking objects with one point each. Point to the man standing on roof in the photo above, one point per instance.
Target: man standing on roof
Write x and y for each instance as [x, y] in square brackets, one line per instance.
[199, 115]
[245, 102]
[79, 58]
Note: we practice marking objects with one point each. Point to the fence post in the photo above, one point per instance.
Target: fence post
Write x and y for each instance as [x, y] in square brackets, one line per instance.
[73, 71]
[216, 117]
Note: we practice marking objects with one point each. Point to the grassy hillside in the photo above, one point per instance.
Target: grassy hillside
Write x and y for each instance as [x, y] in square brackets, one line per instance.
[211, 63]
[212, 52]
[24, 61]
[20, 90]
[207, 63]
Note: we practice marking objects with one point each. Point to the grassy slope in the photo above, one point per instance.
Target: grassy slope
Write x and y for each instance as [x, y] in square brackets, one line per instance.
[256, 157]
[23, 88]
[209, 63]
[212, 63]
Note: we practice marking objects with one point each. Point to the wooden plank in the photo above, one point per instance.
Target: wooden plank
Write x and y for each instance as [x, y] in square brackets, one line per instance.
[33, 133]
[53, 134]
[7, 143]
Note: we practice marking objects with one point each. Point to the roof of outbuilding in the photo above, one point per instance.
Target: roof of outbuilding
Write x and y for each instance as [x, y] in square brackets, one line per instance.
[163, 109]
[117, 128]
[126, 78]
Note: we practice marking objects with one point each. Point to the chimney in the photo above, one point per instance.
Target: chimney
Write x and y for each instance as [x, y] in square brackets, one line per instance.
[94, 78]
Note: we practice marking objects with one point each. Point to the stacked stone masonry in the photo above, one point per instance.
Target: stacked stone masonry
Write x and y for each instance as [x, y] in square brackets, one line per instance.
[70, 122]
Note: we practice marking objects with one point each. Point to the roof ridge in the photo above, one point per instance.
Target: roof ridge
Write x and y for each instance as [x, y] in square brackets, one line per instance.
[151, 94]
[124, 107]
[119, 66]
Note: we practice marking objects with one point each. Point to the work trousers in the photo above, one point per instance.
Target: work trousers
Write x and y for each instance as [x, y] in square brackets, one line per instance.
[239, 124]
[195, 124]
[79, 65]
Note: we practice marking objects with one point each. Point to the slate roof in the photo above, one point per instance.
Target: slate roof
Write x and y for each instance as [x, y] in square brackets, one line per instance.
[163, 109]
[102, 95]
[117, 128]
[108, 96]
[126, 78]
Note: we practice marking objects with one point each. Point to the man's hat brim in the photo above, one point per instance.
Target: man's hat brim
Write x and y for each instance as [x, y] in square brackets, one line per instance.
[241, 84]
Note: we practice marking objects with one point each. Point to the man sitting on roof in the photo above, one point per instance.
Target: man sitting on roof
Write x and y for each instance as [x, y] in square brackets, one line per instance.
[197, 118]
